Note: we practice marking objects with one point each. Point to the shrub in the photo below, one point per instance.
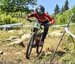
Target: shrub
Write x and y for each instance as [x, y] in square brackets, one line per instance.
[14, 20]
[7, 19]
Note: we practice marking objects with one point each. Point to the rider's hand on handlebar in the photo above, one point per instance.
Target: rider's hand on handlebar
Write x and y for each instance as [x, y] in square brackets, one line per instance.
[49, 24]
[28, 19]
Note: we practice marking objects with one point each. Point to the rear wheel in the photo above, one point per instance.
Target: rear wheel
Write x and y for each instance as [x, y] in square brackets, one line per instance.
[29, 48]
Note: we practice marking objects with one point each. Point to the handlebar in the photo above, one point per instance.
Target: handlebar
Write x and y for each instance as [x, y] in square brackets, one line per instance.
[29, 20]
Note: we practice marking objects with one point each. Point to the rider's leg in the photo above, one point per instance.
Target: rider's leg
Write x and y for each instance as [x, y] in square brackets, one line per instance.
[46, 28]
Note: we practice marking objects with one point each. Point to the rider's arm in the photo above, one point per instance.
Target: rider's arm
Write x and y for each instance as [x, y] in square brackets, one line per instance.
[31, 15]
[52, 21]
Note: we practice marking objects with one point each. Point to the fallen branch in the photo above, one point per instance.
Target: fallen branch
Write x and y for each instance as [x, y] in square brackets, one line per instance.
[20, 41]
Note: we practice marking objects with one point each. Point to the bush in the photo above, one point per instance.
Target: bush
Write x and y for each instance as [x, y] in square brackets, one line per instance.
[14, 20]
[63, 18]
[2, 19]
[7, 19]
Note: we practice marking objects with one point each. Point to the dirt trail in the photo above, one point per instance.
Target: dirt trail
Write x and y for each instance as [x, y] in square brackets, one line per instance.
[16, 54]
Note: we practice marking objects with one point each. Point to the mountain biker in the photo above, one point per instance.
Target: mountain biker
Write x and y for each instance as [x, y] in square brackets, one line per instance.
[43, 18]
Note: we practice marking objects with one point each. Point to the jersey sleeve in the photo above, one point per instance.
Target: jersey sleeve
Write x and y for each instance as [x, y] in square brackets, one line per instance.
[52, 21]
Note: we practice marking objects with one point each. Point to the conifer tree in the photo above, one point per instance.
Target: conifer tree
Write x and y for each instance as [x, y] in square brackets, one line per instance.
[66, 7]
[57, 9]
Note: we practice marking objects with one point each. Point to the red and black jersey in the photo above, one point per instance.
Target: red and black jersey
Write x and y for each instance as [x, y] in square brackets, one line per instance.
[42, 18]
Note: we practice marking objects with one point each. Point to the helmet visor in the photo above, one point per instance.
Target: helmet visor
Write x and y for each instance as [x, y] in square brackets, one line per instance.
[40, 12]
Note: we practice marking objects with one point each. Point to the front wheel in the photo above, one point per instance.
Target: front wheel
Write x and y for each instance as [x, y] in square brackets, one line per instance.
[39, 48]
[29, 48]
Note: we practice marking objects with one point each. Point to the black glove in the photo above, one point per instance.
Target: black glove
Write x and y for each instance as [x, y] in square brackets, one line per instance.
[28, 19]
[49, 23]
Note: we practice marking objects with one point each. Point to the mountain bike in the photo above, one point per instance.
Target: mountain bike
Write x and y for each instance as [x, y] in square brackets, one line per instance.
[35, 38]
